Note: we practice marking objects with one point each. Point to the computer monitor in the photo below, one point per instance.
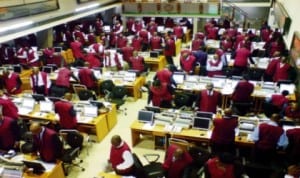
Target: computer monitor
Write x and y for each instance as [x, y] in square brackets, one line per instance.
[204, 114]
[178, 77]
[154, 54]
[37, 167]
[145, 116]
[154, 109]
[236, 77]
[201, 123]
[160, 28]
[106, 28]
[17, 68]
[288, 87]
[160, 51]
[90, 110]
[57, 49]
[38, 97]
[99, 104]
[47, 69]
[46, 106]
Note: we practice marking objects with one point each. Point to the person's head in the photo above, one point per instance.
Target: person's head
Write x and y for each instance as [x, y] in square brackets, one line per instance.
[210, 86]
[276, 54]
[285, 92]
[35, 128]
[116, 140]
[226, 158]
[178, 154]
[275, 117]
[172, 68]
[35, 70]
[228, 111]
[68, 96]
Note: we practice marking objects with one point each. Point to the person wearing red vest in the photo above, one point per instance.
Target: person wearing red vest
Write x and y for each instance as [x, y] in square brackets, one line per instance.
[39, 81]
[97, 49]
[76, 47]
[270, 70]
[67, 114]
[280, 100]
[145, 35]
[294, 145]
[113, 61]
[152, 27]
[226, 44]
[243, 90]
[178, 31]
[166, 75]
[127, 52]
[137, 26]
[121, 41]
[169, 49]
[53, 57]
[12, 82]
[177, 160]
[117, 29]
[241, 60]
[282, 70]
[137, 42]
[265, 34]
[79, 35]
[27, 56]
[214, 66]
[292, 112]
[223, 134]
[208, 99]
[187, 62]
[160, 94]
[91, 38]
[155, 41]
[92, 59]
[9, 108]
[212, 33]
[87, 77]
[120, 157]
[197, 44]
[63, 77]
[268, 136]
[137, 62]
[9, 133]
[46, 142]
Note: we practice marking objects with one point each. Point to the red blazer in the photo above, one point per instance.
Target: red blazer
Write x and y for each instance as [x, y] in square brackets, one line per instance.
[170, 47]
[76, 49]
[160, 94]
[279, 100]
[281, 73]
[292, 114]
[188, 64]
[92, 60]
[241, 58]
[12, 82]
[137, 43]
[268, 136]
[86, 77]
[242, 92]
[155, 42]
[137, 63]
[44, 78]
[121, 42]
[197, 44]
[270, 70]
[223, 132]
[216, 172]
[178, 31]
[209, 103]
[9, 108]
[63, 77]
[294, 142]
[51, 58]
[144, 34]
[7, 133]
[164, 76]
[175, 169]
[66, 113]
[127, 52]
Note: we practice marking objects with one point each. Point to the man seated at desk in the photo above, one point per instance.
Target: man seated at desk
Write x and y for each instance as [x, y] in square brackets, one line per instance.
[292, 112]
[65, 110]
[9, 108]
[46, 142]
[86, 77]
[9, 132]
[187, 62]
[208, 100]
[243, 90]
[63, 78]
[214, 66]
[39, 81]
[12, 82]
[160, 94]
[137, 62]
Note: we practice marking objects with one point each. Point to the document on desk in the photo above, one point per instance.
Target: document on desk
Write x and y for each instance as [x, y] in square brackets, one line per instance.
[24, 111]
[84, 119]
[148, 126]
[47, 166]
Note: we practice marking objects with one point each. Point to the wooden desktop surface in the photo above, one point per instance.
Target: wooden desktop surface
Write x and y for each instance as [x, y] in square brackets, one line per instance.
[156, 64]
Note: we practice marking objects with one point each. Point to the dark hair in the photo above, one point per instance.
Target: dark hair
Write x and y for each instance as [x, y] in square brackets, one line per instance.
[285, 93]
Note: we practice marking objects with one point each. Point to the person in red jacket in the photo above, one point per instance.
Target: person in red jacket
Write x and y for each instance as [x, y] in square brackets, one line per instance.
[63, 77]
[39, 81]
[292, 112]
[160, 94]
[223, 134]
[177, 160]
[9, 108]
[268, 136]
[27, 56]
[166, 75]
[67, 114]
[127, 52]
[270, 70]
[188, 62]
[280, 100]
[87, 77]
[294, 145]
[120, 158]
[76, 47]
[243, 90]
[137, 62]
[281, 70]
[9, 133]
[137, 42]
[208, 100]
[242, 55]
[12, 82]
[53, 57]
[169, 46]
[178, 31]
[46, 142]
[155, 41]
[121, 41]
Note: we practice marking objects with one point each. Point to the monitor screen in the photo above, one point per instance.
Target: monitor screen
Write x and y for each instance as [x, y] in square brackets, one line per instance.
[154, 54]
[192, 78]
[47, 69]
[137, 72]
[201, 123]
[145, 116]
[38, 97]
[28, 103]
[90, 110]
[37, 167]
[106, 28]
[154, 109]
[178, 77]
[17, 68]
[204, 114]
[160, 28]
[46, 106]
[57, 49]
[99, 104]
[288, 87]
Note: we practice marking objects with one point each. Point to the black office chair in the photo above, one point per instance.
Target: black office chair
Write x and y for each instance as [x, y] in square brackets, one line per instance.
[118, 96]
[151, 170]
[86, 95]
[73, 142]
[106, 87]
[270, 109]
[181, 100]
[255, 74]
[241, 108]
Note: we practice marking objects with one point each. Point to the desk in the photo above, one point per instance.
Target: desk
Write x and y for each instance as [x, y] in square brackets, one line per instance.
[56, 172]
[156, 64]
[186, 134]
[108, 175]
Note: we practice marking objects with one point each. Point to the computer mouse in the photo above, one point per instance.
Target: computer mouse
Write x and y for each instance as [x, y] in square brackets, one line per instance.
[202, 134]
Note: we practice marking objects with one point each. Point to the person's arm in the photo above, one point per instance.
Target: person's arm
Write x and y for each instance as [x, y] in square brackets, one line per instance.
[283, 141]
[58, 146]
[128, 161]
[150, 95]
[72, 111]
[36, 57]
[19, 83]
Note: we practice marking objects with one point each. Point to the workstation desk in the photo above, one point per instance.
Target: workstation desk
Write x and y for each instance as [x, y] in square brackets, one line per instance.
[156, 64]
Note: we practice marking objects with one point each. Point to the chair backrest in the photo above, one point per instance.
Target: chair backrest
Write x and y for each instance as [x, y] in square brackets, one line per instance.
[78, 87]
[183, 144]
[85, 95]
[118, 92]
[181, 99]
[57, 91]
[73, 138]
[106, 85]
[137, 162]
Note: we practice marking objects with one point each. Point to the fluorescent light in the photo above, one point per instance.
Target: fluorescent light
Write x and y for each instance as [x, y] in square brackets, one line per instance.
[15, 26]
[86, 7]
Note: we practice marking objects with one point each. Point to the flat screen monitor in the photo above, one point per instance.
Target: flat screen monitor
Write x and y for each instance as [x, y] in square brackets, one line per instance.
[160, 51]
[145, 116]
[90, 110]
[106, 28]
[17, 68]
[57, 49]
[47, 69]
[46, 106]
[204, 114]
[154, 109]
[160, 28]
[37, 167]
[98, 104]
[201, 123]
[154, 54]
[236, 77]
[178, 77]
[288, 87]
[38, 97]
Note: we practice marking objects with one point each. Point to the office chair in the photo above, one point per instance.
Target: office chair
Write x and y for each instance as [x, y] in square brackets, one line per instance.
[270, 109]
[73, 142]
[181, 100]
[106, 87]
[255, 74]
[118, 96]
[57, 91]
[241, 108]
[151, 170]
[86, 95]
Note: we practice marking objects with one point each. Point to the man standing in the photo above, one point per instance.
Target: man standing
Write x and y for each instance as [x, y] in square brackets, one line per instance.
[67, 114]
[12, 82]
[39, 81]
[87, 77]
[243, 90]
[208, 99]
